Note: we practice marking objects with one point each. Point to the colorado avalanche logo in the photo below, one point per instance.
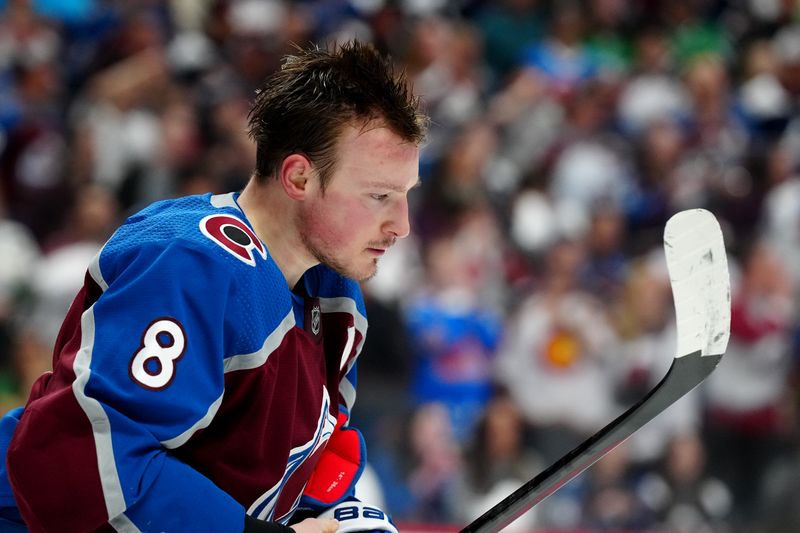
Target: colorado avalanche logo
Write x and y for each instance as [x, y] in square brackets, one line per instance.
[234, 236]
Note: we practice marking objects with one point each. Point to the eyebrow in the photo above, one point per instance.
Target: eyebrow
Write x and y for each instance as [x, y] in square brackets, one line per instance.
[391, 187]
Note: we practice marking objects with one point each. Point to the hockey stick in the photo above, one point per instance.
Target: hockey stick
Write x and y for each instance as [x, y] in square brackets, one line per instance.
[698, 271]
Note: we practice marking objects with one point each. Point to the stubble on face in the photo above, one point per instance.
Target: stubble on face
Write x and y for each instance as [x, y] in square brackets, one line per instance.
[338, 266]
[328, 253]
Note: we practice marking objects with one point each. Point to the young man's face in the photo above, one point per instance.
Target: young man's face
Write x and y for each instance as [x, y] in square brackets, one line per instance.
[364, 207]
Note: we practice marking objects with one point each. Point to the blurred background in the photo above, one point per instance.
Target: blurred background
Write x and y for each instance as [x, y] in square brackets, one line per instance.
[531, 305]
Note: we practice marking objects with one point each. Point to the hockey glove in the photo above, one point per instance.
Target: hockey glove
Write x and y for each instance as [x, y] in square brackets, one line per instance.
[354, 516]
[340, 465]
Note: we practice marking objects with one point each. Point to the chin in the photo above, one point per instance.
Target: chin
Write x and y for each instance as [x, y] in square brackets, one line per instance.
[368, 276]
[355, 272]
[365, 273]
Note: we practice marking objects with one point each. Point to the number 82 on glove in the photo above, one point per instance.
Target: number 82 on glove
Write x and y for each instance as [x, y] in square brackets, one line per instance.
[356, 517]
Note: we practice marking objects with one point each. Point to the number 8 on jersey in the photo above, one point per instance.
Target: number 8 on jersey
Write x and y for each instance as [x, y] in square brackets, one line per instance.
[163, 343]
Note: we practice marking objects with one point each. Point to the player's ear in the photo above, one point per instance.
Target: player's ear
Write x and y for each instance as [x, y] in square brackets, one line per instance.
[294, 175]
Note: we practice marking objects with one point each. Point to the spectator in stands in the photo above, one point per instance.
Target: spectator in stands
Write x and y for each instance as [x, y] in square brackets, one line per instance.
[746, 396]
[453, 334]
[496, 463]
[507, 26]
[554, 358]
[680, 493]
[21, 255]
[611, 502]
[435, 463]
[561, 56]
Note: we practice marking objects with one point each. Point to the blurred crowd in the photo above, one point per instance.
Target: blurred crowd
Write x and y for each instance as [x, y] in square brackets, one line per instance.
[531, 305]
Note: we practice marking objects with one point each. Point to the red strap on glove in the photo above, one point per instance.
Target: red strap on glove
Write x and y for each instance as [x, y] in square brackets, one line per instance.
[339, 466]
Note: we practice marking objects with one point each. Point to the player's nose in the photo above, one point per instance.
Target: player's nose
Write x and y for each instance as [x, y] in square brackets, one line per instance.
[398, 224]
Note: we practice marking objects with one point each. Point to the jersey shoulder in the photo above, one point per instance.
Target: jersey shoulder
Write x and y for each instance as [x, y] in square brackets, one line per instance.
[198, 249]
[209, 225]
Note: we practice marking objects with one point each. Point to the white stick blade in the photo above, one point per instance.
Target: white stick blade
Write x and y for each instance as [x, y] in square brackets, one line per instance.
[698, 272]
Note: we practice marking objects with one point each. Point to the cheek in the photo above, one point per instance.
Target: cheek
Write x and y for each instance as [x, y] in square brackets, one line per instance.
[333, 225]
[327, 228]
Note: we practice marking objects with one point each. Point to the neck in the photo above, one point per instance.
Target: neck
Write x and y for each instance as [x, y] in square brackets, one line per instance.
[274, 219]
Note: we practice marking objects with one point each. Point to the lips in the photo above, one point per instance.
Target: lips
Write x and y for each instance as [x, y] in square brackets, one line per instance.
[384, 244]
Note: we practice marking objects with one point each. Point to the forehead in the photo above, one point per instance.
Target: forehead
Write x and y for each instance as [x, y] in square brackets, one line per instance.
[374, 145]
[375, 152]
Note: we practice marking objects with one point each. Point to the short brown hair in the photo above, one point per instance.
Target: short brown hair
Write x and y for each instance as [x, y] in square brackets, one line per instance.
[303, 107]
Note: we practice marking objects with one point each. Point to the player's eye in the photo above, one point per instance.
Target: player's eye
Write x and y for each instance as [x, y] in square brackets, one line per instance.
[379, 197]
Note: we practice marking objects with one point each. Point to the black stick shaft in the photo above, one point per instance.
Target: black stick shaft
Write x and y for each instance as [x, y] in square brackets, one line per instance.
[685, 374]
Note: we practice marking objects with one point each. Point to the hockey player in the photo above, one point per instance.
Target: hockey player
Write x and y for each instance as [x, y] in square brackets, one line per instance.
[203, 376]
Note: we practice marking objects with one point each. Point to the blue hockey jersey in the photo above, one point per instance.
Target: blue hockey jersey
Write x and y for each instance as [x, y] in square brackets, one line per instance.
[190, 384]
